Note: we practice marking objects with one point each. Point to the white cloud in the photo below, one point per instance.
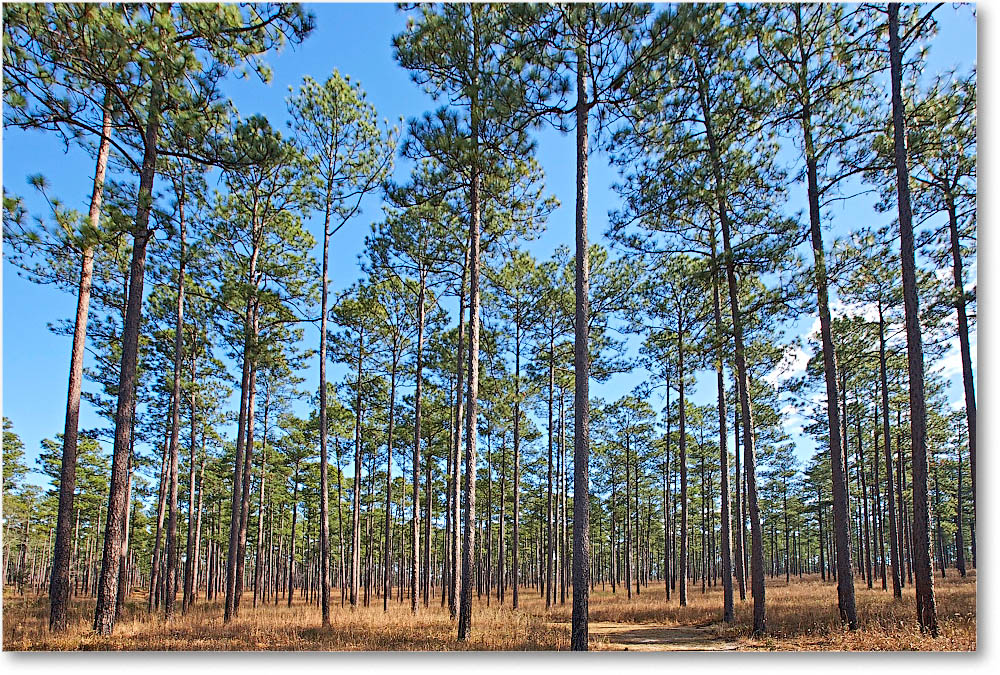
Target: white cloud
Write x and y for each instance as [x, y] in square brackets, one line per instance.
[792, 363]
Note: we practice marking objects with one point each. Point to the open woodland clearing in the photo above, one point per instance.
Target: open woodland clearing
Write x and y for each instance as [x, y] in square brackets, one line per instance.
[349, 370]
[798, 613]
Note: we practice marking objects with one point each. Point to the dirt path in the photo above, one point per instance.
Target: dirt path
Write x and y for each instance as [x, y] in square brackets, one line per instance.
[608, 636]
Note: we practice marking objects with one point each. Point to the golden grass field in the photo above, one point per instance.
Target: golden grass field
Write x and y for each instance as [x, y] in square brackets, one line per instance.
[800, 616]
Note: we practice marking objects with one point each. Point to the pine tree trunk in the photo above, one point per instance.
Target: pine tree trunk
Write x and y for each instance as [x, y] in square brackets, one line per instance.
[415, 535]
[356, 507]
[864, 501]
[387, 555]
[966, 352]
[247, 473]
[191, 547]
[550, 550]
[175, 414]
[628, 523]
[472, 409]
[291, 541]
[324, 482]
[516, 574]
[894, 543]
[456, 577]
[728, 615]
[841, 517]
[926, 608]
[104, 615]
[59, 585]
[682, 459]
[258, 565]
[757, 545]
[579, 640]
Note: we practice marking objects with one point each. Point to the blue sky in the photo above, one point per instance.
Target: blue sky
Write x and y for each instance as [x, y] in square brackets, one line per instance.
[356, 40]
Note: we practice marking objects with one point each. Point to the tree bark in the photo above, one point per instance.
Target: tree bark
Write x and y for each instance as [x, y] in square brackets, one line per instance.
[291, 541]
[727, 560]
[579, 640]
[965, 349]
[387, 548]
[454, 590]
[62, 558]
[324, 497]
[894, 543]
[356, 508]
[757, 540]
[104, 615]
[175, 424]
[841, 517]
[516, 575]
[191, 548]
[924, 579]
[415, 535]
[471, 409]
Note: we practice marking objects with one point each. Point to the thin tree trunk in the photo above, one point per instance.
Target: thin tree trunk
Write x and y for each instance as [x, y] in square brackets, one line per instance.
[472, 409]
[415, 535]
[192, 551]
[324, 497]
[757, 545]
[727, 560]
[966, 352]
[841, 517]
[894, 543]
[387, 556]
[456, 558]
[258, 567]
[175, 424]
[549, 555]
[579, 640]
[926, 607]
[291, 541]
[356, 508]
[59, 584]
[104, 615]
[516, 578]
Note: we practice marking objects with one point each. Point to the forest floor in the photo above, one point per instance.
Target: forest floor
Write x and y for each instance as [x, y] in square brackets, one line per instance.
[801, 616]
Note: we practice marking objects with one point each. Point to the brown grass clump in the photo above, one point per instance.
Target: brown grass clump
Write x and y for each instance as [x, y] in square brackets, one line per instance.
[801, 616]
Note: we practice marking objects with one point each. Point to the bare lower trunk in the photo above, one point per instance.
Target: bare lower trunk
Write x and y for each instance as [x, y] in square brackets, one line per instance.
[742, 378]
[235, 510]
[291, 541]
[324, 497]
[471, 413]
[387, 548]
[192, 550]
[966, 352]
[579, 640]
[682, 564]
[415, 539]
[727, 560]
[894, 543]
[104, 616]
[549, 555]
[841, 517]
[59, 584]
[175, 424]
[356, 506]
[455, 563]
[923, 577]
[515, 576]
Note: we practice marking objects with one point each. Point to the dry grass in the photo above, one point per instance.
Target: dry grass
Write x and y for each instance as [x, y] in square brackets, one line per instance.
[801, 616]
[278, 628]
